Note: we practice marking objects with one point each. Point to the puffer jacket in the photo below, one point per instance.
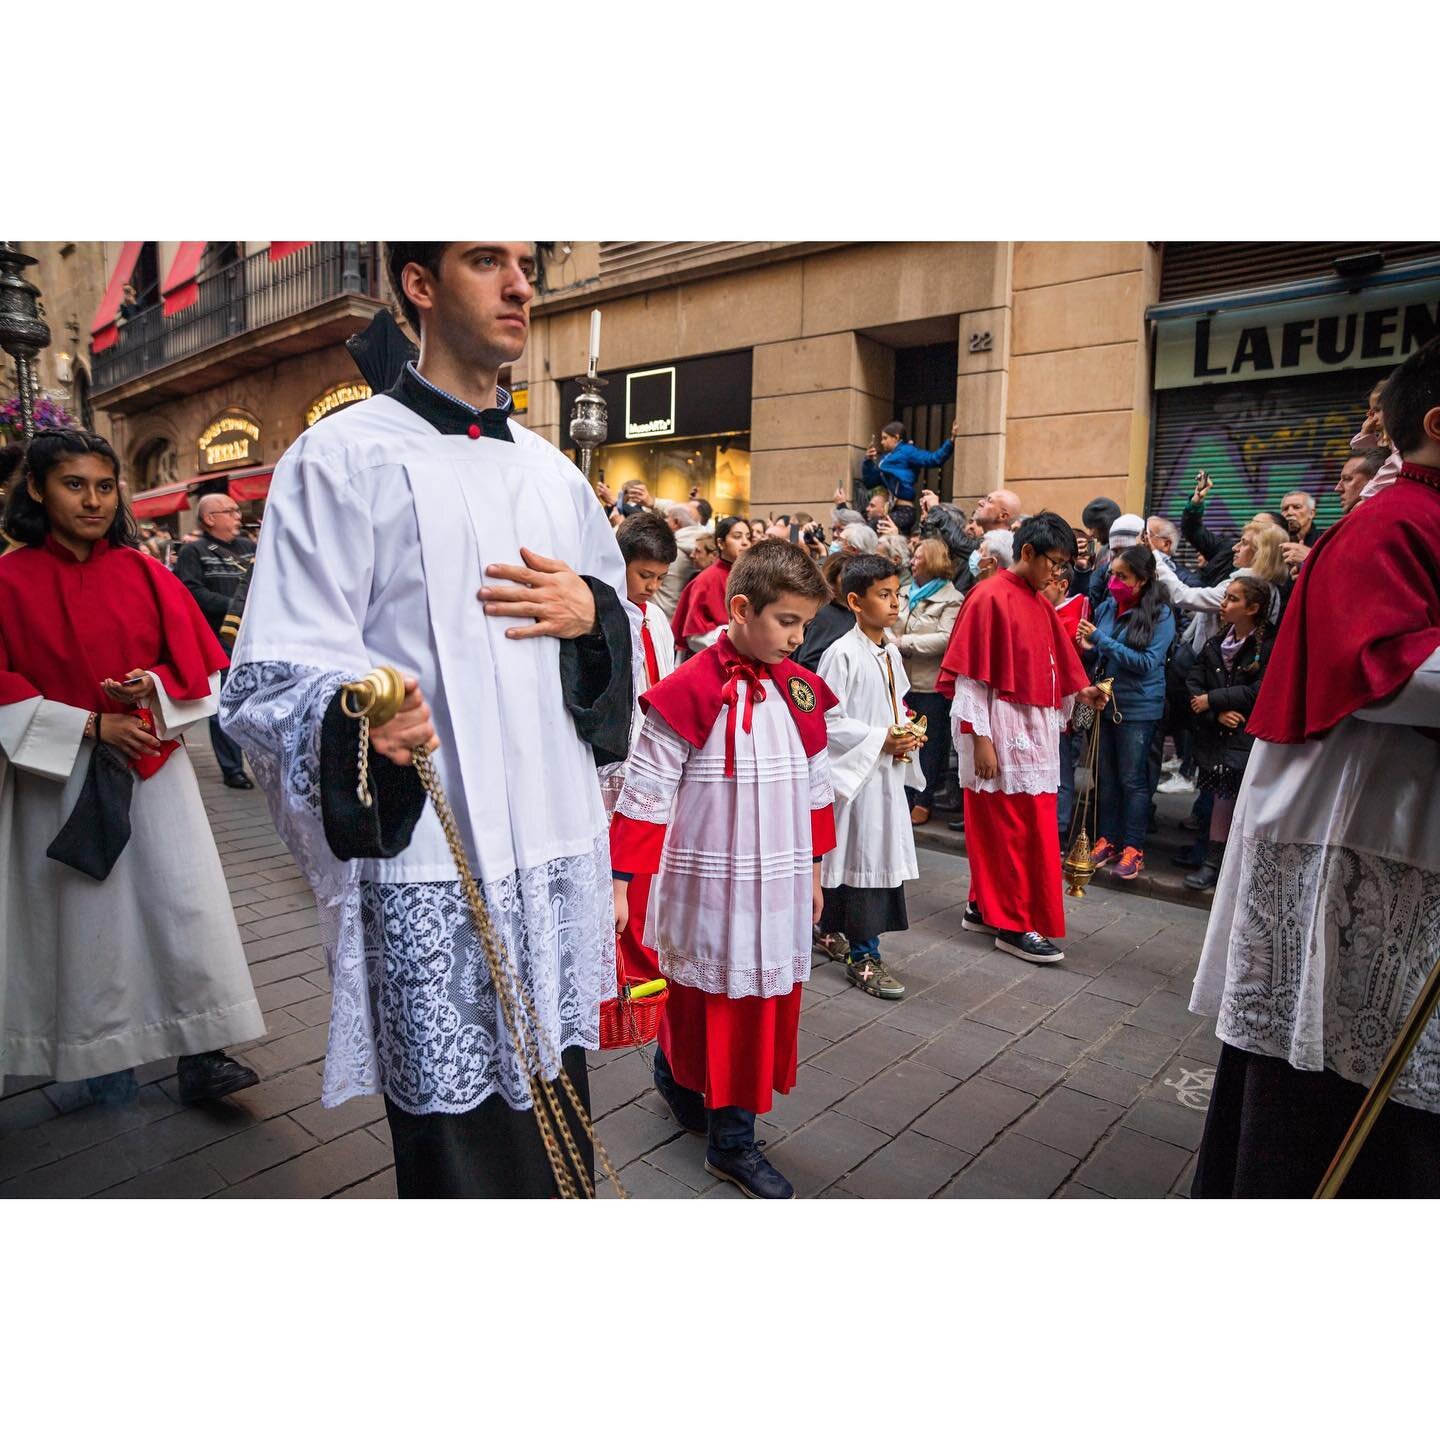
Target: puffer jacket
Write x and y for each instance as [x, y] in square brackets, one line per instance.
[1233, 687]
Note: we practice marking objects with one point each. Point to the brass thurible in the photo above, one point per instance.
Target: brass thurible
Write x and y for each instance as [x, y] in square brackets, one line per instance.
[1079, 867]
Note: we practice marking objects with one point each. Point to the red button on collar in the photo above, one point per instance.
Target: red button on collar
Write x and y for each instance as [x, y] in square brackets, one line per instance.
[473, 432]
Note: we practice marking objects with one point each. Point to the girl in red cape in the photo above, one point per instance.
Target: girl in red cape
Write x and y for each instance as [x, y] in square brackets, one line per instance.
[1326, 920]
[126, 950]
[701, 616]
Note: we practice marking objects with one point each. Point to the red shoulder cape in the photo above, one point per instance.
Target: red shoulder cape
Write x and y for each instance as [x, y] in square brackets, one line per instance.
[702, 602]
[690, 699]
[1364, 615]
[1009, 637]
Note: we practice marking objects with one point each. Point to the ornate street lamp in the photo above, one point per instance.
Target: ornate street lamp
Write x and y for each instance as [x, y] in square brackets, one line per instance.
[23, 334]
[589, 416]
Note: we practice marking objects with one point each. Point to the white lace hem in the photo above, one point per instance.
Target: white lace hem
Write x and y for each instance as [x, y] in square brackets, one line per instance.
[718, 977]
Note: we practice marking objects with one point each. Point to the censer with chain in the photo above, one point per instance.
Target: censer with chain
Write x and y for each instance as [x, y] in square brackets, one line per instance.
[375, 700]
[1079, 867]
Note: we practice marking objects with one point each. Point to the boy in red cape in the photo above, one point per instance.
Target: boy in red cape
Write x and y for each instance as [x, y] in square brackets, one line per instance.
[1014, 676]
[1326, 919]
[727, 803]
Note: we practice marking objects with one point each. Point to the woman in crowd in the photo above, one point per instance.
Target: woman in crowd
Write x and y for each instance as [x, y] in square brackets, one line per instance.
[927, 616]
[996, 551]
[701, 617]
[1259, 552]
[1223, 686]
[1128, 641]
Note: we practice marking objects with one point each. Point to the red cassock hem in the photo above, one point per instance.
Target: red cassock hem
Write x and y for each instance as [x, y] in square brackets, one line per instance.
[637, 960]
[1013, 848]
[734, 1052]
[822, 830]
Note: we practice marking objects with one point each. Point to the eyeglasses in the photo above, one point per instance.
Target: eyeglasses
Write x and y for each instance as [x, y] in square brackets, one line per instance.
[1057, 567]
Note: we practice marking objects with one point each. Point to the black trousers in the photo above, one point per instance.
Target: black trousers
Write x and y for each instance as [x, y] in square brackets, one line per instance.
[935, 752]
[228, 755]
[489, 1153]
[1272, 1131]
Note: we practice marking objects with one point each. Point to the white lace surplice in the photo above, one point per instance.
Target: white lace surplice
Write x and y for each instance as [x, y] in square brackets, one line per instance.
[730, 906]
[1326, 918]
[1026, 739]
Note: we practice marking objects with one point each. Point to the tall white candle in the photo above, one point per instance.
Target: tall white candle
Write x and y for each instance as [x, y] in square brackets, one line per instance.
[594, 340]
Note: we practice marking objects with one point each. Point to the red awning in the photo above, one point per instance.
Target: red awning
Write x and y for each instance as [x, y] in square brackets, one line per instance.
[250, 484]
[180, 289]
[163, 500]
[279, 249]
[103, 331]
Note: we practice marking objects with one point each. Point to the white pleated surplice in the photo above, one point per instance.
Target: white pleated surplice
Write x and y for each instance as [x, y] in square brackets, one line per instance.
[1326, 919]
[874, 842]
[1026, 739]
[730, 906]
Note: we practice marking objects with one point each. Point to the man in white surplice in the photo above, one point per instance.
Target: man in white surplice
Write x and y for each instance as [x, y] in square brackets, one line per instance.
[387, 527]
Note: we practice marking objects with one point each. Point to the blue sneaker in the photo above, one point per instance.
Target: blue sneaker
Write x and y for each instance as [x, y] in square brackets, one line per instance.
[750, 1172]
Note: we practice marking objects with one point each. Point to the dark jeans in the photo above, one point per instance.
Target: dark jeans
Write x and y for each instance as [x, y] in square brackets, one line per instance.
[1065, 801]
[865, 949]
[229, 755]
[935, 752]
[1125, 780]
[730, 1127]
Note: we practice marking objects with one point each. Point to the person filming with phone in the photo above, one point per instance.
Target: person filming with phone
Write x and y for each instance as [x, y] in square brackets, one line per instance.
[894, 462]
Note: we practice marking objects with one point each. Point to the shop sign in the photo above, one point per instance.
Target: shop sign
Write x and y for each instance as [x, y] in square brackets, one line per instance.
[1298, 337]
[650, 403]
[337, 398]
[232, 438]
[521, 399]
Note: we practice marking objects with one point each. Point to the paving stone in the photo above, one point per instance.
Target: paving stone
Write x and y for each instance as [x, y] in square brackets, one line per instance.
[971, 988]
[85, 1173]
[1142, 1051]
[377, 1187]
[1005, 1012]
[283, 993]
[629, 1132]
[326, 1123]
[1047, 1044]
[1050, 985]
[23, 1150]
[808, 1045]
[1087, 1017]
[24, 1111]
[867, 1053]
[278, 945]
[1167, 1014]
[1105, 1082]
[1023, 1072]
[259, 1148]
[282, 967]
[921, 1015]
[324, 1170]
[296, 902]
[910, 1167]
[279, 1023]
[1203, 1045]
[827, 978]
[815, 1090]
[189, 1178]
[841, 1015]
[294, 886]
[1129, 984]
[962, 1050]
[311, 1012]
[68, 1095]
[1013, 1168]
[1167, 1120]
[1070, 1121]
[1132, 1166]
[286, 923]
[626, 1078]
[1079, 1192]
[94, 1124]
[896, 1096]
[645, 1182]
[193, 1128]
[1182, 1187]
[279, 1094]
[829, 1147]
[681, 1160]
[972, 1115]
[302, 1047]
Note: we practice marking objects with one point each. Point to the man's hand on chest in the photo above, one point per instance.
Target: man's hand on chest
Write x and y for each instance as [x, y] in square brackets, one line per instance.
[546, 591]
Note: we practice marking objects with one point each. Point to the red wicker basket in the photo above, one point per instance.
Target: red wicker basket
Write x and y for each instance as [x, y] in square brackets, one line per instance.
[625, 1022]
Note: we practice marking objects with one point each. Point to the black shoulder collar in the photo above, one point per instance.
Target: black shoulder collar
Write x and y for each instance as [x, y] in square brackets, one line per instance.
[447, 414]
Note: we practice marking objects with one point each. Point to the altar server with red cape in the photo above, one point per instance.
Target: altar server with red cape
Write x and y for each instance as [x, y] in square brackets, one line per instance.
[119, 943]
[701, 616]
[1326, 918]
[1014, 676]
[728, 804]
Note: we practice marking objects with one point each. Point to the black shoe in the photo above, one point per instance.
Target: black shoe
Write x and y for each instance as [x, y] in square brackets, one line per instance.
[750, 1172]
[957, 824]
[1190, 856]
[209, 1076]
[1203, 878]
[974, 920]
[688, 1114]
[240, 781]
[1031, 945]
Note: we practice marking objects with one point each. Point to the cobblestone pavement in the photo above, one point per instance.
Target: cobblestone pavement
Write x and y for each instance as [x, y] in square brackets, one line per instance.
[992, 1077]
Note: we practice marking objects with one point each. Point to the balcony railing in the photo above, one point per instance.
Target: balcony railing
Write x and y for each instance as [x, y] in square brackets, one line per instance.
[244, 296]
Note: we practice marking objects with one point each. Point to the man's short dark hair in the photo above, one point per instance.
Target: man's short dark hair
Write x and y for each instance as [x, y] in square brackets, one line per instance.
[646, 535]
[1409, 395]
[399, 254]
[862, 571]
[772, 568]
[1045, 532]
[1099, 515]
[1370, 460]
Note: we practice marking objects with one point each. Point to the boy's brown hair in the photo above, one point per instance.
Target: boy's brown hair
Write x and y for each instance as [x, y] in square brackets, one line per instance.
[772, 568]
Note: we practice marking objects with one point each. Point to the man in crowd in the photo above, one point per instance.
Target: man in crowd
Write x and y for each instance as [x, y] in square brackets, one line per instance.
[211, 568]
[685, 525]
[1164, 537]
[997, 510]
[1297, 511]
[1356, 473]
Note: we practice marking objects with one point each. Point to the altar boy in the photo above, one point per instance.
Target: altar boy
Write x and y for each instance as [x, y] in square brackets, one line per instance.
[863, 877]
[727, 803]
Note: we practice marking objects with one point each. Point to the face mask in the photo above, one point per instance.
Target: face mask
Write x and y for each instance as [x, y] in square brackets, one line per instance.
[1120, 590]
[975, 563]
[834, 547]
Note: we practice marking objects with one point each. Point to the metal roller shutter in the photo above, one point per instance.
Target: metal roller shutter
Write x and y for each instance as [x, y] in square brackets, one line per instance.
[1257, 441]
[1212, 267]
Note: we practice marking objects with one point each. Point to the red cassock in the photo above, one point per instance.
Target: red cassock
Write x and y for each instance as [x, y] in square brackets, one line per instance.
[1009, 637]
[732, 1051]
[701, 607]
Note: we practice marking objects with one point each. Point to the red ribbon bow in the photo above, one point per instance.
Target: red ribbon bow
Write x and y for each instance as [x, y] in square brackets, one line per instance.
[736, 671]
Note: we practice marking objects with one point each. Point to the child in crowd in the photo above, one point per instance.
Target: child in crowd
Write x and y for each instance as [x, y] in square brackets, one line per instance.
[727, 803]
[863, 877]
[1224, 684]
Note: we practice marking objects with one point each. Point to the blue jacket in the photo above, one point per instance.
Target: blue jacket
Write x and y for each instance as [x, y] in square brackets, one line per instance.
[899, 471]
[1139, 674]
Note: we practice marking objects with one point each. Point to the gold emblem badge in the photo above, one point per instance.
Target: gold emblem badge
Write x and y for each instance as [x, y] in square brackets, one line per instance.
[801, 694]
